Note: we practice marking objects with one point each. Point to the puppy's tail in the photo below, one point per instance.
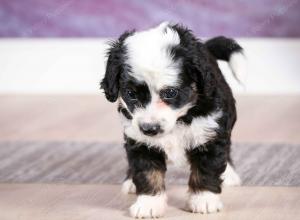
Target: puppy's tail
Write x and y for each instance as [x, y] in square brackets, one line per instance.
[229, 50]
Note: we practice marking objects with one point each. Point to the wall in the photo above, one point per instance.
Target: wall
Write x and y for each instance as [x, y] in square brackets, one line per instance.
[76, 66]
[109, 18]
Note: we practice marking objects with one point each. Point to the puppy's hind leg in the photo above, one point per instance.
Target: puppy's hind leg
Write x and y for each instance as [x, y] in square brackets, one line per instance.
[128, 187]
[230, 177]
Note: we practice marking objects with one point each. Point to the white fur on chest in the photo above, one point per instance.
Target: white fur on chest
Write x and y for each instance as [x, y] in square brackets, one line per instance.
[182, 137]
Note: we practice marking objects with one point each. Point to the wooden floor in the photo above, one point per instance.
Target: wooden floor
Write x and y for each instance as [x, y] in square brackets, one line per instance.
[92, 118]
[94, 202]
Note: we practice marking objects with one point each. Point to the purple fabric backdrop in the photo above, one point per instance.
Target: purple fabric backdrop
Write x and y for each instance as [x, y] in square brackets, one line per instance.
[109, 18]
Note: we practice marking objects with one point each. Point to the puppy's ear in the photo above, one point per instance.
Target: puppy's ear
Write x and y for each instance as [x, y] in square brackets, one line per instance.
[202, 72]
[114, 67]
[197, 64]
[208, 77]
[204, 75]
[110, 82]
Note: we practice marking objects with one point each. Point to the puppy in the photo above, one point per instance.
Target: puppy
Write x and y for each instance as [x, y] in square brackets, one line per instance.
[175, 107]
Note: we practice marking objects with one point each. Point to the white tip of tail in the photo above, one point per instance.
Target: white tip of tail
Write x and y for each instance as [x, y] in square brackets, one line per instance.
[238, 65]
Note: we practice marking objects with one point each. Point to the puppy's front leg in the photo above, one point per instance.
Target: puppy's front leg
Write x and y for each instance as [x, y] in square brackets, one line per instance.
[148, 168]
[207, 165]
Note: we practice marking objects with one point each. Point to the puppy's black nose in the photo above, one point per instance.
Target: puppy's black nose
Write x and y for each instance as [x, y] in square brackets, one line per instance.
[150, 129]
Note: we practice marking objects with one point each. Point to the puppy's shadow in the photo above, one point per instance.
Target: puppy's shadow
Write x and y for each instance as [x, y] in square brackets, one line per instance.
[177, 199]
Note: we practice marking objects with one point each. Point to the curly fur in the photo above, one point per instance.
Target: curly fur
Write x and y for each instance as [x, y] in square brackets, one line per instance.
[195, 126]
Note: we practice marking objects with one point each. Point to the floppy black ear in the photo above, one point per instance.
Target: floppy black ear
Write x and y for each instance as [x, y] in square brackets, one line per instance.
[196, 61]
[110, 82]
[208, 76]
[114, 67]
[202, 69]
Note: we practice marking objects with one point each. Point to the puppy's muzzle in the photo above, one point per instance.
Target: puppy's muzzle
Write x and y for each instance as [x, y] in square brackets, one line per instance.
[150, 129]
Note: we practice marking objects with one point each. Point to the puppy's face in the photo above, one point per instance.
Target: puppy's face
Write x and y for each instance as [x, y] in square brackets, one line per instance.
[154, 110]
[152, 75]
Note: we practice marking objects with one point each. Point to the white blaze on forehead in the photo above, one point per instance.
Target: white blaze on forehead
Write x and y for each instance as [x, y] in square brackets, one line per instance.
[149, 56]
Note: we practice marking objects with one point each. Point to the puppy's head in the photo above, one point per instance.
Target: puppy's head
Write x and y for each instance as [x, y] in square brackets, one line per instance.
[157, 76]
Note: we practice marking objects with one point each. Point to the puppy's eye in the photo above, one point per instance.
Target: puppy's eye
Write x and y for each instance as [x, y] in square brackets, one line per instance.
[170, 93]
[131, 94]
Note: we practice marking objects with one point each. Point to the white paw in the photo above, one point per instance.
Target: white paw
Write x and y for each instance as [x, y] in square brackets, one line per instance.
[128, 187]
[230, 177]
[149, 206]
[204, 202]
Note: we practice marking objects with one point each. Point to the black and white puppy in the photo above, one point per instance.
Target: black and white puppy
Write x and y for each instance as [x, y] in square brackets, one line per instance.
[175, 107]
